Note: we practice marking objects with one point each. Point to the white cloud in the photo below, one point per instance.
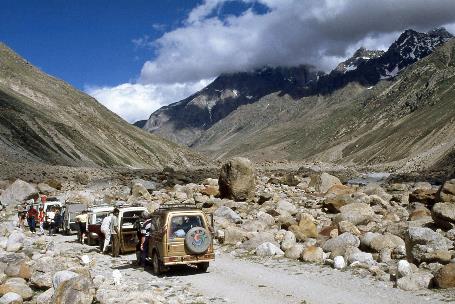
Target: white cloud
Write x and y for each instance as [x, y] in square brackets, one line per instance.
[292, 32]
[137, 101]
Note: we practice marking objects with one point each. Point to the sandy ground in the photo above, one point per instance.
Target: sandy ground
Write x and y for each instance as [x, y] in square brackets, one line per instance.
[242, 280]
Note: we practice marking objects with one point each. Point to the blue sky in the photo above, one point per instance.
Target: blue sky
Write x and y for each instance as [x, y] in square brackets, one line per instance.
[136, 56]
[88, 42]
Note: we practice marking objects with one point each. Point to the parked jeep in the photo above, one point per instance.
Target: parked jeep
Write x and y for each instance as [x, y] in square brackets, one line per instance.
[180, 234]
[69, 212]
[95, 218]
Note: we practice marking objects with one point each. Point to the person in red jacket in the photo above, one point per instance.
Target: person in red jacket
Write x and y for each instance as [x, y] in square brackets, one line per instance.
[32, 216]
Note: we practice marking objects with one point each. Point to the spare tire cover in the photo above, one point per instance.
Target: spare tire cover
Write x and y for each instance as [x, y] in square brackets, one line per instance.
[198, 240]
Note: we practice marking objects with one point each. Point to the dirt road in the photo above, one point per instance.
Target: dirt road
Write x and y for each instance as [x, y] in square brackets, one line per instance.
[241, 281]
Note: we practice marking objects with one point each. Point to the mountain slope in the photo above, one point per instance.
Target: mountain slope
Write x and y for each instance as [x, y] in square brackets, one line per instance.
[407, 121]
[45, 120]
[185, 121]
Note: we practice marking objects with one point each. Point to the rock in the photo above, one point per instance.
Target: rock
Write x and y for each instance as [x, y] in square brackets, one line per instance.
[340, 243]
[268, 249]
[426, 245]
[45, 297]
[17, 192]
[55, 184]
[85, 260]
[139, 191]
[258, 239]
[345, 226]
[265, 218]
[361, 257]
[41, 279]
[17, 285]
[419, 213]
[289, 240]
[443, 215]
[15, 241]
[313, 254]
[445, 276]
[339, 263]
[211, 190]
[150, 186]
[323, 182]
[45, 188]
[415, 281]
[426, 197]
[233, 235]
[356, 213]
[306, 228]
[447, 192]
[229, 214]
[285, 207]
[237, 179]
[404, 268]
[294, 252]
[264, 197]
[11, 298]
[286, 221]
[77, 290]
[377, 242]
[334, 204]
[62, 276]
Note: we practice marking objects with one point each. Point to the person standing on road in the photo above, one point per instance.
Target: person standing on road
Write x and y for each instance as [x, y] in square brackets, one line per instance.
[50, 216]
[115, 233]
[32, 215]
[41, 217]
[58, 220]
[145, 236]
[106, 230]
[81, 219]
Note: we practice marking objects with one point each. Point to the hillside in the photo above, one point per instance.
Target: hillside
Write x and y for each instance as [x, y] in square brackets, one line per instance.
[406, 122]
[392, 108]
[45, 120]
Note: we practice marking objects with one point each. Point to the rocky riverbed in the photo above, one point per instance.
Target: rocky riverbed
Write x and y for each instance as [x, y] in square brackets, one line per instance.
[399, 235]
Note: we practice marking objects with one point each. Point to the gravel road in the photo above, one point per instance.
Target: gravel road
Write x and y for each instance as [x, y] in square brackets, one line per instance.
[241, 281]
[253, 280]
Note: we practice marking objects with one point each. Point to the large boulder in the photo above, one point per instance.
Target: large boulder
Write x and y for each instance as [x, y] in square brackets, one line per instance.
[233, 235]
[259, 238]
[139, 191]
[237, 179]
[11, 298]
[62, 276]
[15, 241]
[77, 290]
[377, 242]
[356, 213]
[284, 207]
[333, 204]
[339, 244]
[443, 215]
[323, 182]
[17, 192]
[426, 245]
[313, 254]
[17, 285]
[229, 214]
[415, 281]
[445, 277]
[305, 229]
[294, 252]
[268, 249]
[424, 196]
[289, 240]
[447, 191]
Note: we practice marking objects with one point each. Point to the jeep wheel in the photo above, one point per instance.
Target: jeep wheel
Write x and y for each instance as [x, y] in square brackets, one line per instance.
[198, 240]
[202, 267]
[157, 266]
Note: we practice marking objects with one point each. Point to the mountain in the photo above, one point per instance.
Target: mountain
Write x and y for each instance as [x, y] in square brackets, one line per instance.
[369, 67]
[140, 123]
[363, 115]
[45, 120]
[185, 121]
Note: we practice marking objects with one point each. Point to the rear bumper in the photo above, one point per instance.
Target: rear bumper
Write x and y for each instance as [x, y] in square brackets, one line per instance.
[188, 259]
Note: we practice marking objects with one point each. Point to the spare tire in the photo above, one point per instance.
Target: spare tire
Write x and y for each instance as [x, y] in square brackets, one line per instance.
[198, 240]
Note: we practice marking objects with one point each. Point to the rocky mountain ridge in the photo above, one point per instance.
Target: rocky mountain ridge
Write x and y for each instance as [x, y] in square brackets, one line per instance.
[45, 120]
[356, 117]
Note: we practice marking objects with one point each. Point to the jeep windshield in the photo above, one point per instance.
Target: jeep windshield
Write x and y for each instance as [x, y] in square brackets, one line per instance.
[181, 224]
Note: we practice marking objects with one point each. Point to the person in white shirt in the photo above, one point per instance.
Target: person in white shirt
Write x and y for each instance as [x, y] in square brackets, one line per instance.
[105, 229]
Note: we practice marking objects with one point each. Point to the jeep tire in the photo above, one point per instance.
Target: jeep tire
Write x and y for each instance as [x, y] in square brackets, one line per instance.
[198, 240]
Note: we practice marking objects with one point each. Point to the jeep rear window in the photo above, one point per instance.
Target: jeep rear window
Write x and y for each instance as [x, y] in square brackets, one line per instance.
[181, 224]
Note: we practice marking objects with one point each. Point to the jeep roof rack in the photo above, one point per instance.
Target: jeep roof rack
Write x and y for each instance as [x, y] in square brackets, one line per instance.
[177, 206]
